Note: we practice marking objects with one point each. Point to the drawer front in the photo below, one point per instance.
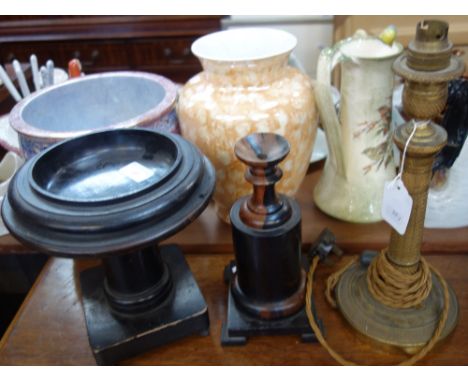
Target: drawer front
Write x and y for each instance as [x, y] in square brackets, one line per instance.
[170, 57]
[94, 56]
[168, 52]
[177, 74]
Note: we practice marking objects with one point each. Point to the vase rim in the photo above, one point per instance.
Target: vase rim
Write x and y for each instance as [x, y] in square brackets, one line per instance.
[244, 44]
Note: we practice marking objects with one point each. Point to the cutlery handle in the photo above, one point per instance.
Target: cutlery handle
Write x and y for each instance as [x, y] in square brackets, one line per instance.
[9, 85]
[35, 72]
[44, 77]
[50, 71]
[21, 79]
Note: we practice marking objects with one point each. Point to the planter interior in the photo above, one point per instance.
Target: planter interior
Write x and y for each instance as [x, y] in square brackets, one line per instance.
[94, 103]
[79, 106]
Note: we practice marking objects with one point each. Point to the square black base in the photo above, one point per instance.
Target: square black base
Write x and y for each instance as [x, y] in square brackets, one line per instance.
[114, 338]
[239, 326]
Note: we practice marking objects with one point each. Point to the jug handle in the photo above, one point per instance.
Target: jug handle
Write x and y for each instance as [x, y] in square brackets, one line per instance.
[328, 59]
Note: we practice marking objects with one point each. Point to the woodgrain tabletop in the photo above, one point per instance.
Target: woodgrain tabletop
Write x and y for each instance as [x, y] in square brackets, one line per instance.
[50, 328]
[208, 234]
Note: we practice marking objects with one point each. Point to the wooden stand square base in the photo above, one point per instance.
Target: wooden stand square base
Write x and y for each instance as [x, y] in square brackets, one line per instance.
[113, 338]
[239, 326]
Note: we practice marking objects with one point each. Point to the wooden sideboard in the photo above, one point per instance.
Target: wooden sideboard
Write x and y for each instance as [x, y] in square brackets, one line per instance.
[159, 44]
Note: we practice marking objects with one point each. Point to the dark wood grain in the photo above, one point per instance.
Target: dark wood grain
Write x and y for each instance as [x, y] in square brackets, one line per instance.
[209, 235]
[266, 230]
[50, 330]
[261, 153]
[53, 28]
[158, 44]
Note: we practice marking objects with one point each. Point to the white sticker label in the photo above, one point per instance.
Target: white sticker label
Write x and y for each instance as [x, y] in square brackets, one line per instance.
[136, 172]
[396, 205]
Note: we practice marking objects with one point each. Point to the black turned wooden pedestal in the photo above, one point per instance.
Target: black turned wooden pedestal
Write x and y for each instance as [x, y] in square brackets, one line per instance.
[267, 282]
[177, 311]
[115, 195]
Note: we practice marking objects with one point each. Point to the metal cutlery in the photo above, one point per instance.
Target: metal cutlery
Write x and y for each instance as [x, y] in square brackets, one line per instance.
[41, 78]
[35, 72]
[9, 84]
[21, 79]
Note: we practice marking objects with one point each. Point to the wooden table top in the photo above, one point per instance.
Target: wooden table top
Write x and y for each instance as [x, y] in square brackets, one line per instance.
[208, 234]
[50, 327]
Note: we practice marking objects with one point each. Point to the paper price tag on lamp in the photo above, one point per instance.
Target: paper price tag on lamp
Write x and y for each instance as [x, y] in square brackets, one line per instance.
[397, 202]
[396, 205]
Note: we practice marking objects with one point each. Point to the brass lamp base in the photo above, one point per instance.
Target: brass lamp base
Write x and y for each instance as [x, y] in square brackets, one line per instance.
[409, 329]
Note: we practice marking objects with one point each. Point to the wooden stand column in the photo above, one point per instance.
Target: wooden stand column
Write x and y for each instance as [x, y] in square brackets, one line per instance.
[267, 287]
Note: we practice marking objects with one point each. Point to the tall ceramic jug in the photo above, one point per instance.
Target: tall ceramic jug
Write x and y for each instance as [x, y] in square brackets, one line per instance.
[359, 140]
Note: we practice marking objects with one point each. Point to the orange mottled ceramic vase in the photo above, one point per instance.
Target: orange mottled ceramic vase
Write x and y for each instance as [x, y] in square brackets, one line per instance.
[247, 86]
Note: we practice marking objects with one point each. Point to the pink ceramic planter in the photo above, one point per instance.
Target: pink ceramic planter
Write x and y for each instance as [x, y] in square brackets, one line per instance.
[93, 103]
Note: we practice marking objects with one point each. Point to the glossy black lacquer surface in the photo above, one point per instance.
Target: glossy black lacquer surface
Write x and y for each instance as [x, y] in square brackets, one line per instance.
[117, 193]
[73, 199]
[106, 168]
[113, 337]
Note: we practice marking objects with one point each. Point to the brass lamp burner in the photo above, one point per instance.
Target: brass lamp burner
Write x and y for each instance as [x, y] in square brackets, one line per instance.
[407, 328]
[427, 67]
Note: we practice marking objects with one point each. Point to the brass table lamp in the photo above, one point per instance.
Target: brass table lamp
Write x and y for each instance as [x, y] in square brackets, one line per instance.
[407, 328]
[427, 67]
